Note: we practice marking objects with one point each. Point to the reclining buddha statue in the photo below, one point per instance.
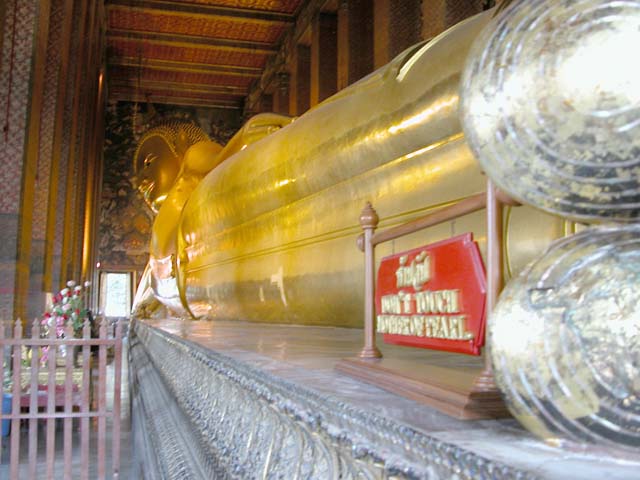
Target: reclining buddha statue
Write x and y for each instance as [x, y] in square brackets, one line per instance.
[169, 162]
[264, 230]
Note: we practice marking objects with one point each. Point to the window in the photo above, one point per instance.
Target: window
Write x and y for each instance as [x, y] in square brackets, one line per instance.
[115, 294]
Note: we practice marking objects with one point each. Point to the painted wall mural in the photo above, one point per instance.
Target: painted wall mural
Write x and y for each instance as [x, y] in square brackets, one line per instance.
[125, 220]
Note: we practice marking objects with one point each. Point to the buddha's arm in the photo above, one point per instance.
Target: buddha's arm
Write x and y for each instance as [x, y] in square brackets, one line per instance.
[256, 128]
[199, 160]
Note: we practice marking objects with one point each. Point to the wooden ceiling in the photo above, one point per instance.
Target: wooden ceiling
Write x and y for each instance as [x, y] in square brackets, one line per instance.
[200, 52]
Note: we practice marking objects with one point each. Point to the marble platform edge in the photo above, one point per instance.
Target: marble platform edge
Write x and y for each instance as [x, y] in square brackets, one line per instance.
[351, 441]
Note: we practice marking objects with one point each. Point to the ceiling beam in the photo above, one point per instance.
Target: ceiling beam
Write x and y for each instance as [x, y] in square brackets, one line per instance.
[182, 87]
[175, 100]
[156, 64]
[163, 6]
[192, 41]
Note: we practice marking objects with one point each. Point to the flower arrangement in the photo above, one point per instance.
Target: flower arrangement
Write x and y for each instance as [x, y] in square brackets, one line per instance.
[67, 308]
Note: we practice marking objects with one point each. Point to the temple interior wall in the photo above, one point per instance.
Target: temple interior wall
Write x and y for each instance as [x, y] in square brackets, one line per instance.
[51, 71]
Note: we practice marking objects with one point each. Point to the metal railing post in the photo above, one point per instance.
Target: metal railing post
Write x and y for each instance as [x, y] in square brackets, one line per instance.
[369, 221]
[15, 401]
[495, 274]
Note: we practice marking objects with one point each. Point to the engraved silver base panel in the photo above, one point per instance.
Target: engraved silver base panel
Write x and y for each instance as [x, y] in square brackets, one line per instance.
[217, 400]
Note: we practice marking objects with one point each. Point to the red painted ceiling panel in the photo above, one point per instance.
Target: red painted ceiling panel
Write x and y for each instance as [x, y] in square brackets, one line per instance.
[180, 77]
[281, 6]
[210, 56]
[201, 26]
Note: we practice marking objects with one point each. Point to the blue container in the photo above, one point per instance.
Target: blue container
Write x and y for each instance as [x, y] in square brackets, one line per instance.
[6, 408]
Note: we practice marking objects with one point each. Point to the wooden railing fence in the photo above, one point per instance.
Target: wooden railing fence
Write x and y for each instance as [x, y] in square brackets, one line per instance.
[51, 381]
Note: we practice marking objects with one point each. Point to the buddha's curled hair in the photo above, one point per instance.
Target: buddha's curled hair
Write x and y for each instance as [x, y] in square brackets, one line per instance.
[178, 135]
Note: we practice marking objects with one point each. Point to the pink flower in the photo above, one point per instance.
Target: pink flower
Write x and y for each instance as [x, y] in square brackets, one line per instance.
[45, 355]
[67, 309]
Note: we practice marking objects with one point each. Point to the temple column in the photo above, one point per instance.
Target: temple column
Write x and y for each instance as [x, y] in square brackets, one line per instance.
[299, 90]
[324, 59]
[281, 94]
[22, 64]
[70, 229]
[57, 178]
[92, 152]
[397, 25]
[48, 168]
[60, 239]
[355, 41]
[266, 103]
[381, 33]
[438, 15]
[86, 157]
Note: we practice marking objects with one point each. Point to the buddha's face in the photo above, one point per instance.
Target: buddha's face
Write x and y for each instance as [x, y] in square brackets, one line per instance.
[157, 168]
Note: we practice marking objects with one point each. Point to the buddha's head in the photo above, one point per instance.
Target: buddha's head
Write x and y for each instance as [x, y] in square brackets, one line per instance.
[158, 159]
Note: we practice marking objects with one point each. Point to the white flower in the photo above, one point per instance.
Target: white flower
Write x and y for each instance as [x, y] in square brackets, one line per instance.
[64, 292]
[87, 284]
[71, 283]
[77, 288]
[66, 307]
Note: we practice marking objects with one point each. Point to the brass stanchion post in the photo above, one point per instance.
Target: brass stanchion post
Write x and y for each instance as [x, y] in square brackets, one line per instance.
[369, 221]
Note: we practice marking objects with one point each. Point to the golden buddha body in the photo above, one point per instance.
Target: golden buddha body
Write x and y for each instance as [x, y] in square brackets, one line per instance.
[269, 234]
[169, 163]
